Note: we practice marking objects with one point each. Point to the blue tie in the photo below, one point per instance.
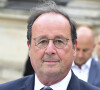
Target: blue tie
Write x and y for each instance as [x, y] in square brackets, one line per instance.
[46, 88]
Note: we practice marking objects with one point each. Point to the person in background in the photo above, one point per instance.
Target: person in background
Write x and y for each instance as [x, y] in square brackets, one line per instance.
[52, 44]
[98, 47]
[28, 68]
[85, 66]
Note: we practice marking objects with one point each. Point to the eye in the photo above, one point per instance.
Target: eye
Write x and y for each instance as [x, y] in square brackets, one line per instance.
[43, 41]
[59, 41]
[85, 50]
[77, 49]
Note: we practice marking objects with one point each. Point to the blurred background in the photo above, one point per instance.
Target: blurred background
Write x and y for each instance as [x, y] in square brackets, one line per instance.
[13, 30]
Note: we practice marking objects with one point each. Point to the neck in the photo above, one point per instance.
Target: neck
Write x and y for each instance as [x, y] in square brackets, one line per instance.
[79, 65]
[50, 80]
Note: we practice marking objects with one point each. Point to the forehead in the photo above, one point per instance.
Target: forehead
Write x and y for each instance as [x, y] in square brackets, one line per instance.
[51, 14]
[51, 22]
[85, 38]
[84, 45]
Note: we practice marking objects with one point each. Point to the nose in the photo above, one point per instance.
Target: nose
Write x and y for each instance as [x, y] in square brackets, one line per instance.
[51, 49]
[80, 54]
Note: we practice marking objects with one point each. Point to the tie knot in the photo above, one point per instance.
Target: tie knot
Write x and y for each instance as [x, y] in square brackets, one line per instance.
[46, 88]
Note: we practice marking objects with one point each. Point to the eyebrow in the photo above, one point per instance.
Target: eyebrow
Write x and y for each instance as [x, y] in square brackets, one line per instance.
[86, 49]
[58, 36]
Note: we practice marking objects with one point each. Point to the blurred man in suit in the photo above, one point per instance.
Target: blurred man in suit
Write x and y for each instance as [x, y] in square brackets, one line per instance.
[28, 67]
[85, 67]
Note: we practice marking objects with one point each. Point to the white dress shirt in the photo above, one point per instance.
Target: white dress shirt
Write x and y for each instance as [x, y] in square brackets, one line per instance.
[83, 72]
[62, 85]
[96, 59]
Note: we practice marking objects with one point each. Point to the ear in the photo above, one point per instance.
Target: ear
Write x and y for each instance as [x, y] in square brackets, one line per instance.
[75, 46]
[28, 45]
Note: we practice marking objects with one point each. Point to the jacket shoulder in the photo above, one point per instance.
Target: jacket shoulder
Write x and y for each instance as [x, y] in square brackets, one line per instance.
[16, 84]
[87, 86]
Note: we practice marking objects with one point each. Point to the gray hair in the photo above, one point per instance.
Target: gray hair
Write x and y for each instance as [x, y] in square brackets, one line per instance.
[47, 7]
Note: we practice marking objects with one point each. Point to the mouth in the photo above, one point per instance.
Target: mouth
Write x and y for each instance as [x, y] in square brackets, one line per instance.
[50, 62]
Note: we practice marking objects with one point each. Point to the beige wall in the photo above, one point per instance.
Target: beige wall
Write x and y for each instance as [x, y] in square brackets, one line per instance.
[13, 45]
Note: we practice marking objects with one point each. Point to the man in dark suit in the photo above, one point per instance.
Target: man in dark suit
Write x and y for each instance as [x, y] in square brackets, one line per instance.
[52, 44]
[86, 67]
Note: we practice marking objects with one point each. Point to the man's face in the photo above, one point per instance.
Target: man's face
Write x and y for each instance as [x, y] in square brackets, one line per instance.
[98, 45]
[51, 61]
[84, 50]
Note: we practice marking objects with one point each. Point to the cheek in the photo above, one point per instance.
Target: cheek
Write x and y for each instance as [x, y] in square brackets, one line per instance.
[36, 56]
[77, 52]
[66, 55]
[88, 54]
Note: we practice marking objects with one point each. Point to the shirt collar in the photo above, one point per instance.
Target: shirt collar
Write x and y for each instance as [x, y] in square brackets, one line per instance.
[87, 64]
[64, 83]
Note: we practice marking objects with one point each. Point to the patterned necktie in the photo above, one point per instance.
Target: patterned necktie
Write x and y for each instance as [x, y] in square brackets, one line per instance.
[46, 88]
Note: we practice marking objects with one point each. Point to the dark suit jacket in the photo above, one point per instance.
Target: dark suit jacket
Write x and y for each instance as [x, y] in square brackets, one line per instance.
[94, 73]
[27, 83]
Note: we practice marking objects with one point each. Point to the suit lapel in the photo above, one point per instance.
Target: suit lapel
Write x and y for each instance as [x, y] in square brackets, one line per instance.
[74, 83]
[29, 84]
[92, 72]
